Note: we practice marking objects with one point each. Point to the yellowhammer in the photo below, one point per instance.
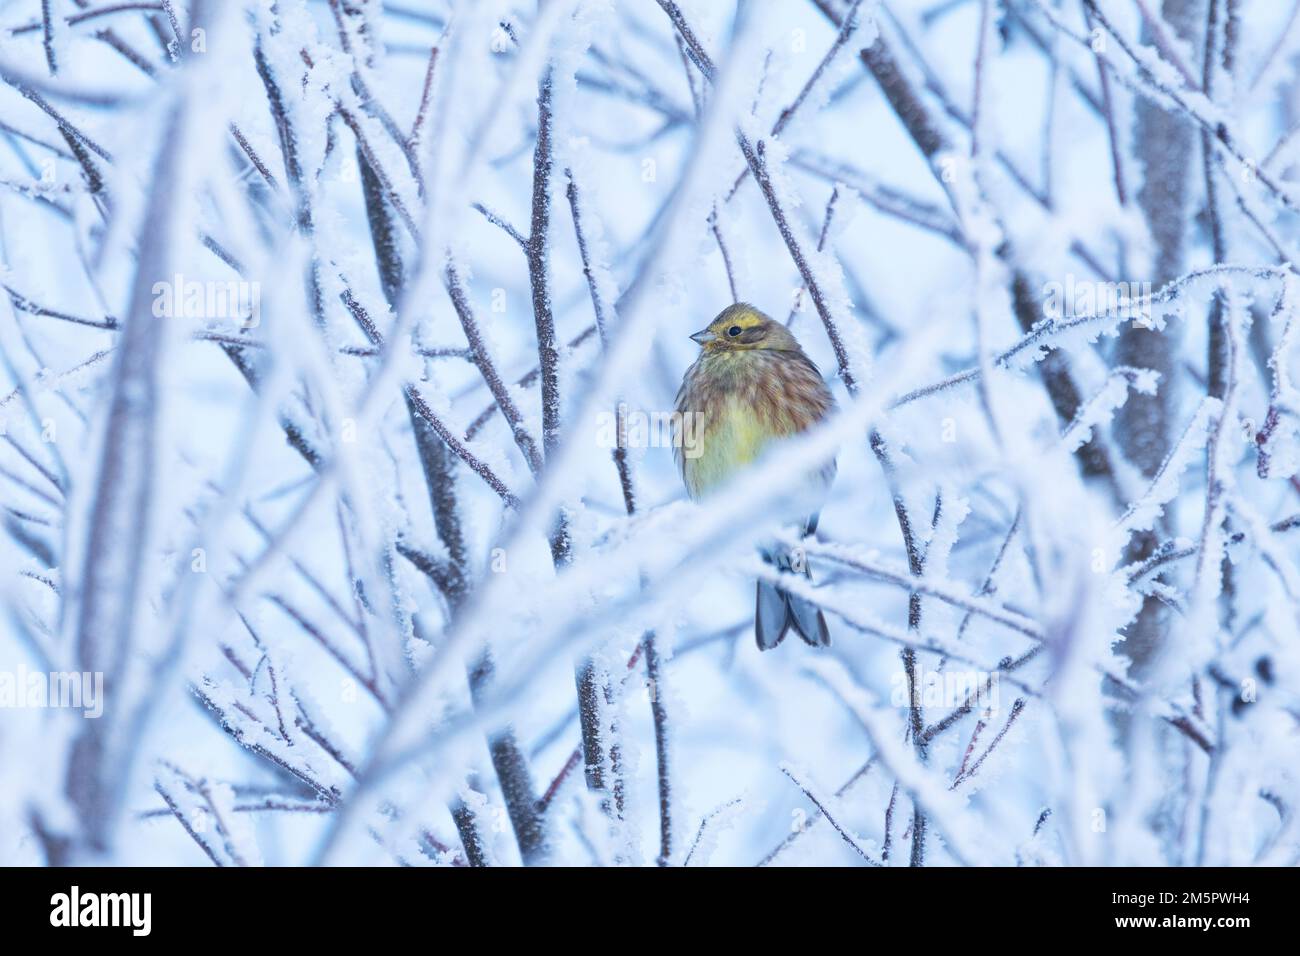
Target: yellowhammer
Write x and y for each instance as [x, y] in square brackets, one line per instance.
[752, 385]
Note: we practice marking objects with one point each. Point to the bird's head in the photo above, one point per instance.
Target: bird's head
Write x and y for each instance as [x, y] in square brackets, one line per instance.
[741, 327]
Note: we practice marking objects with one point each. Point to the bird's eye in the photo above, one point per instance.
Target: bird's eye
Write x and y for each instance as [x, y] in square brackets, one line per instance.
[733, 331]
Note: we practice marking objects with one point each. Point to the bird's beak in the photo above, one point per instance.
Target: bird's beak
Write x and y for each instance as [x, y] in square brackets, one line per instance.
[704, 336]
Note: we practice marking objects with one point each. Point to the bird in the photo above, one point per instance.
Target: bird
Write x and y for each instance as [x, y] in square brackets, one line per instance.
[751, 386]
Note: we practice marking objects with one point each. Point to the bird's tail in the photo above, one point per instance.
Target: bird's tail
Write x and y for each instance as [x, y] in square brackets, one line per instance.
[777, 610]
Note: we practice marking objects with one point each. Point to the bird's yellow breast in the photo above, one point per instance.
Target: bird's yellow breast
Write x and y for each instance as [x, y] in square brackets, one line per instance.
[730, 437]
